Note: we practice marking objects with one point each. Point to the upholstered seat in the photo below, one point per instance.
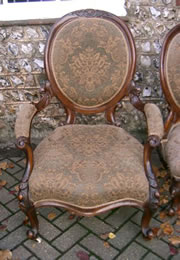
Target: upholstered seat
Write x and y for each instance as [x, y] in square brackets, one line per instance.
[78, 165]
[172, 150]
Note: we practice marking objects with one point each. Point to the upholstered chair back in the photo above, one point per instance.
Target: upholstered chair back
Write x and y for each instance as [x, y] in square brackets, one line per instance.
[90, 61]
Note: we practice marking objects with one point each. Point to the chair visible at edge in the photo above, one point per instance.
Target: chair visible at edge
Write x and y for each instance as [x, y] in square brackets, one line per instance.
[90, 61]
[170, 82]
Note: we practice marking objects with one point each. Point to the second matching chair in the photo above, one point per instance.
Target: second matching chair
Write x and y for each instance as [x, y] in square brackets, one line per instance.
[170, 82]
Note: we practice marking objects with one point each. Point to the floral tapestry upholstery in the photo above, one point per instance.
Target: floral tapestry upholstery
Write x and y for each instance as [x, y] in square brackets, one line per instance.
[172, 67]
[23, 119]
[90, 61]
[154, 120]
[87, 166]
[172, 150]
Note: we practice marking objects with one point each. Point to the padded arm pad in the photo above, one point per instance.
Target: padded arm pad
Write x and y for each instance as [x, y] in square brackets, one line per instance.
[154, 120]
[23, 120]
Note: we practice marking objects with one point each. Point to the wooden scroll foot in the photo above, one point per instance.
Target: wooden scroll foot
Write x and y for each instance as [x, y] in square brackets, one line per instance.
[146, 230]
[32, 217]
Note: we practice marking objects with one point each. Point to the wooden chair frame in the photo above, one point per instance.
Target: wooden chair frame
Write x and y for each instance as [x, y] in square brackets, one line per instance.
[51, 89]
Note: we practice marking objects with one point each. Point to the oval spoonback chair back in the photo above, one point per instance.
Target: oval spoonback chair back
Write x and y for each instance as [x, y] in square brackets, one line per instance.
[88, 169]
[90, 61]
[170, 81]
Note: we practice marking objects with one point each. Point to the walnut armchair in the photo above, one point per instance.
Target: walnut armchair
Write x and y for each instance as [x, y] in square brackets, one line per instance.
[170, 82]
[90, 61]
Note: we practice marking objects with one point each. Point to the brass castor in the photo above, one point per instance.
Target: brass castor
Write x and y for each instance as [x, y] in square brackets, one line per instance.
[147, 233]
[32, 234]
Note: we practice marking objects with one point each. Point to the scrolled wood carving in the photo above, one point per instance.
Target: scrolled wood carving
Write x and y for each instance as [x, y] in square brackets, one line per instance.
[134, 96]
[154, 140]
[23, 144]
[47, 94]
[90, 13]
[153, 186]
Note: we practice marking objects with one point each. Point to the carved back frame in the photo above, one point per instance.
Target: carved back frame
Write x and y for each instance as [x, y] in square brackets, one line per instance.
[109, 106]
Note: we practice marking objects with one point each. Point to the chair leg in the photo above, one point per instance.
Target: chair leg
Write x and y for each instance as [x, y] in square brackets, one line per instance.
[31, 217]
[175, 194]
[31, 213]
[146, 218]
[27, 206]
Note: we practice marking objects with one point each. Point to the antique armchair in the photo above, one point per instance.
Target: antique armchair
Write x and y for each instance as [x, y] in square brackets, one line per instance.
[88, 169]
[170, 81]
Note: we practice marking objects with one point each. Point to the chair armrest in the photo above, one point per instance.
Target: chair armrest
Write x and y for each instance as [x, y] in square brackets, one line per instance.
[154, 120]
[23, 121]
[155, 133]
[22, 131]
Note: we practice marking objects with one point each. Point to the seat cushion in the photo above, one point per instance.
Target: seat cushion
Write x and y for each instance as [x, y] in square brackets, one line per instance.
[88, 166]
[172, 150]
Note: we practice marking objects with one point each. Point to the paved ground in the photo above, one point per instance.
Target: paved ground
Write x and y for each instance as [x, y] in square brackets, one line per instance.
[67, 238]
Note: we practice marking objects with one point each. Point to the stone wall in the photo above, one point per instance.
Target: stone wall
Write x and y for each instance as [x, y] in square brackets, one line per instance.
[22, 68]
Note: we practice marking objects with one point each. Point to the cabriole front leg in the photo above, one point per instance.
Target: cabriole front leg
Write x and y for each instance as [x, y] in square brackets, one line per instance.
[146, 218]
[29, 210]
[151, 206]
[24, 202]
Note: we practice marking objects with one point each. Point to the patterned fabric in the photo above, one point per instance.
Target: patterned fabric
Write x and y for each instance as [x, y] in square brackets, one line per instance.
[90, 61]
[154, 120]
[88, 166]
[172, 150]
[172, 67]
[23, 121]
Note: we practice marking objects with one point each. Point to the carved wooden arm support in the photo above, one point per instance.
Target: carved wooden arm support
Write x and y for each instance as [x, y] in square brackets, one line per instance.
[155, 133]
[47, 94]
[134, 96]
[23, 144]
[153, 186]
[22, 131]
